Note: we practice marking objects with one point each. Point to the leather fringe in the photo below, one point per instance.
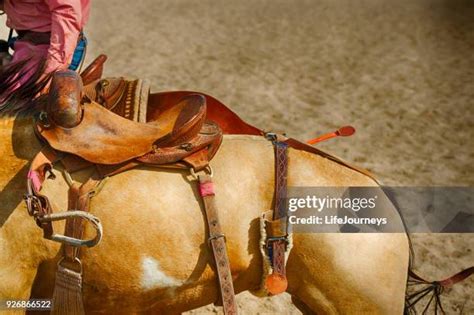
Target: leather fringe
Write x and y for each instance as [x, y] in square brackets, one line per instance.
[67, 296]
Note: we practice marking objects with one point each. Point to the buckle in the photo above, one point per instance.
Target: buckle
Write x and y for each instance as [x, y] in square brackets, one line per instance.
[215, 237]
[270, 240]
[271, 136]
[207, 169]
[33, 204]
[76, 263]
[44, 120]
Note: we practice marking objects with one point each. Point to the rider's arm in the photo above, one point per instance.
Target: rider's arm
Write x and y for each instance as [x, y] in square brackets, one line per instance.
[66, 24]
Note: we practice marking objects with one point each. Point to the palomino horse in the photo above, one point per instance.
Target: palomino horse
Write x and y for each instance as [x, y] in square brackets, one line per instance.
[154, 257]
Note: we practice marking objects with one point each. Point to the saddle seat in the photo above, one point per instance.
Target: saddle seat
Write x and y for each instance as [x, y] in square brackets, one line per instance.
[83, 128]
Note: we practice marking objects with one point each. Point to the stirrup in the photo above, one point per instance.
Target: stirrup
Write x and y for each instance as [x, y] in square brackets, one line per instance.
[73, 214]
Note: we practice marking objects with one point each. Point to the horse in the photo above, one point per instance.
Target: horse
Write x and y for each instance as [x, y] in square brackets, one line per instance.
[154, 256]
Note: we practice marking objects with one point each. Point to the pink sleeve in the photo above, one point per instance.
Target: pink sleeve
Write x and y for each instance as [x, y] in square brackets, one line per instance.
[66, 25]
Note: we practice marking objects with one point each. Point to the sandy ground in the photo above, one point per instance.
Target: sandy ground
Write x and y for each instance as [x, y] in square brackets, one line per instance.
[401, 72]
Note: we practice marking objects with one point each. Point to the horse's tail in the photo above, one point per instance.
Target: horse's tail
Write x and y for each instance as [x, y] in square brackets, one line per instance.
[16, 94]
[430, 290]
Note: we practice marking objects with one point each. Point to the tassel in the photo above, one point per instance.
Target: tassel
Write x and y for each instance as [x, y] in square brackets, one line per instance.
[67, 296]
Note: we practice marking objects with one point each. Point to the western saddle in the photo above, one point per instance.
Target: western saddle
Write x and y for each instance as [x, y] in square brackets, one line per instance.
[90, 131]
[97, 127]
[79, 133]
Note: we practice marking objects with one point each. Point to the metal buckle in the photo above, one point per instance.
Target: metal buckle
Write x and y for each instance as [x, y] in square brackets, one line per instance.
[51, 217]
[275, 138]
[186, 146]
[94, 191]
[76, 260]
[271, 136]
[207, 169]
[33, 204]
[43, 119]
[271, 240]
[215, 237]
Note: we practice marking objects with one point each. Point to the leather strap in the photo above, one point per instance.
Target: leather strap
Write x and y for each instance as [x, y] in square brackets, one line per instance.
[448, 282]
[280, 209]
[79, 199]
[217, 242]
[281, 173]
[278, 230]
[94, 71]
[37, 204]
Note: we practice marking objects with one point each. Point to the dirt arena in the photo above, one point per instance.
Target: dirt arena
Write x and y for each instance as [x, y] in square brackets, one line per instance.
[401, 72]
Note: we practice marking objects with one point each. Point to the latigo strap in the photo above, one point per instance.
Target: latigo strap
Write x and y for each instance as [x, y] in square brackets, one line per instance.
[281, 173]
[217, 242]
[79, 199]
[277, 230]
[67, 294]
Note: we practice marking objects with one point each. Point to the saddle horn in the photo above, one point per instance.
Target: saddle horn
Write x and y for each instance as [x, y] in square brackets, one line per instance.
[64, 101]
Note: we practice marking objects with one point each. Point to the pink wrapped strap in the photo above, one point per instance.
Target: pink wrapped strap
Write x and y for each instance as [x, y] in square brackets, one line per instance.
[206, 189]
[35, 179]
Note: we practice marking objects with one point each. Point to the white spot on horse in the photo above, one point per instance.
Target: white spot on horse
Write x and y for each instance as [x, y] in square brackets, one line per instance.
[153, 277]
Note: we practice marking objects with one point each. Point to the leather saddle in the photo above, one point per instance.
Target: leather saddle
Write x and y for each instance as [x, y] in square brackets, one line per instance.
[82, 133]
[74, 124]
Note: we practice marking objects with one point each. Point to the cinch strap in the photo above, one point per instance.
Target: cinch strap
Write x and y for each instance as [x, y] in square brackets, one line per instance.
[217, 242]
[277, 282]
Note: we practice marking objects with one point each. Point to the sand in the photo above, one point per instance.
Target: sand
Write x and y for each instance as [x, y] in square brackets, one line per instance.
[401, 72]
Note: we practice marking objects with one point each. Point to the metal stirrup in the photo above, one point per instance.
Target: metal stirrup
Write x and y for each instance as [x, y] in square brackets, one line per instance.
[71, 240]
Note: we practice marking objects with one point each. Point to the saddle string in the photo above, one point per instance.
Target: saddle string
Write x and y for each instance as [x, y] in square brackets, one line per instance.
[345, 131]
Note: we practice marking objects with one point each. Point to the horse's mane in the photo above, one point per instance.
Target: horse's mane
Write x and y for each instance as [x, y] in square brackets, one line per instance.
[23, 100]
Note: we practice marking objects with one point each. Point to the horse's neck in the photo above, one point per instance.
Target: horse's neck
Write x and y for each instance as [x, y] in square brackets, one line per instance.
[21, 242]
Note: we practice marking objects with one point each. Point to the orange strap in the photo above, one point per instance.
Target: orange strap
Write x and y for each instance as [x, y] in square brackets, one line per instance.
[341, 132]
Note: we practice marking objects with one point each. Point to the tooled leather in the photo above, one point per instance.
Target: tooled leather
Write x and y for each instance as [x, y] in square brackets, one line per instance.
[280, 209]
[116, 94]
[210, 134]
[217, 242]
[279, 257]
[108, 92]
[281, 173]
